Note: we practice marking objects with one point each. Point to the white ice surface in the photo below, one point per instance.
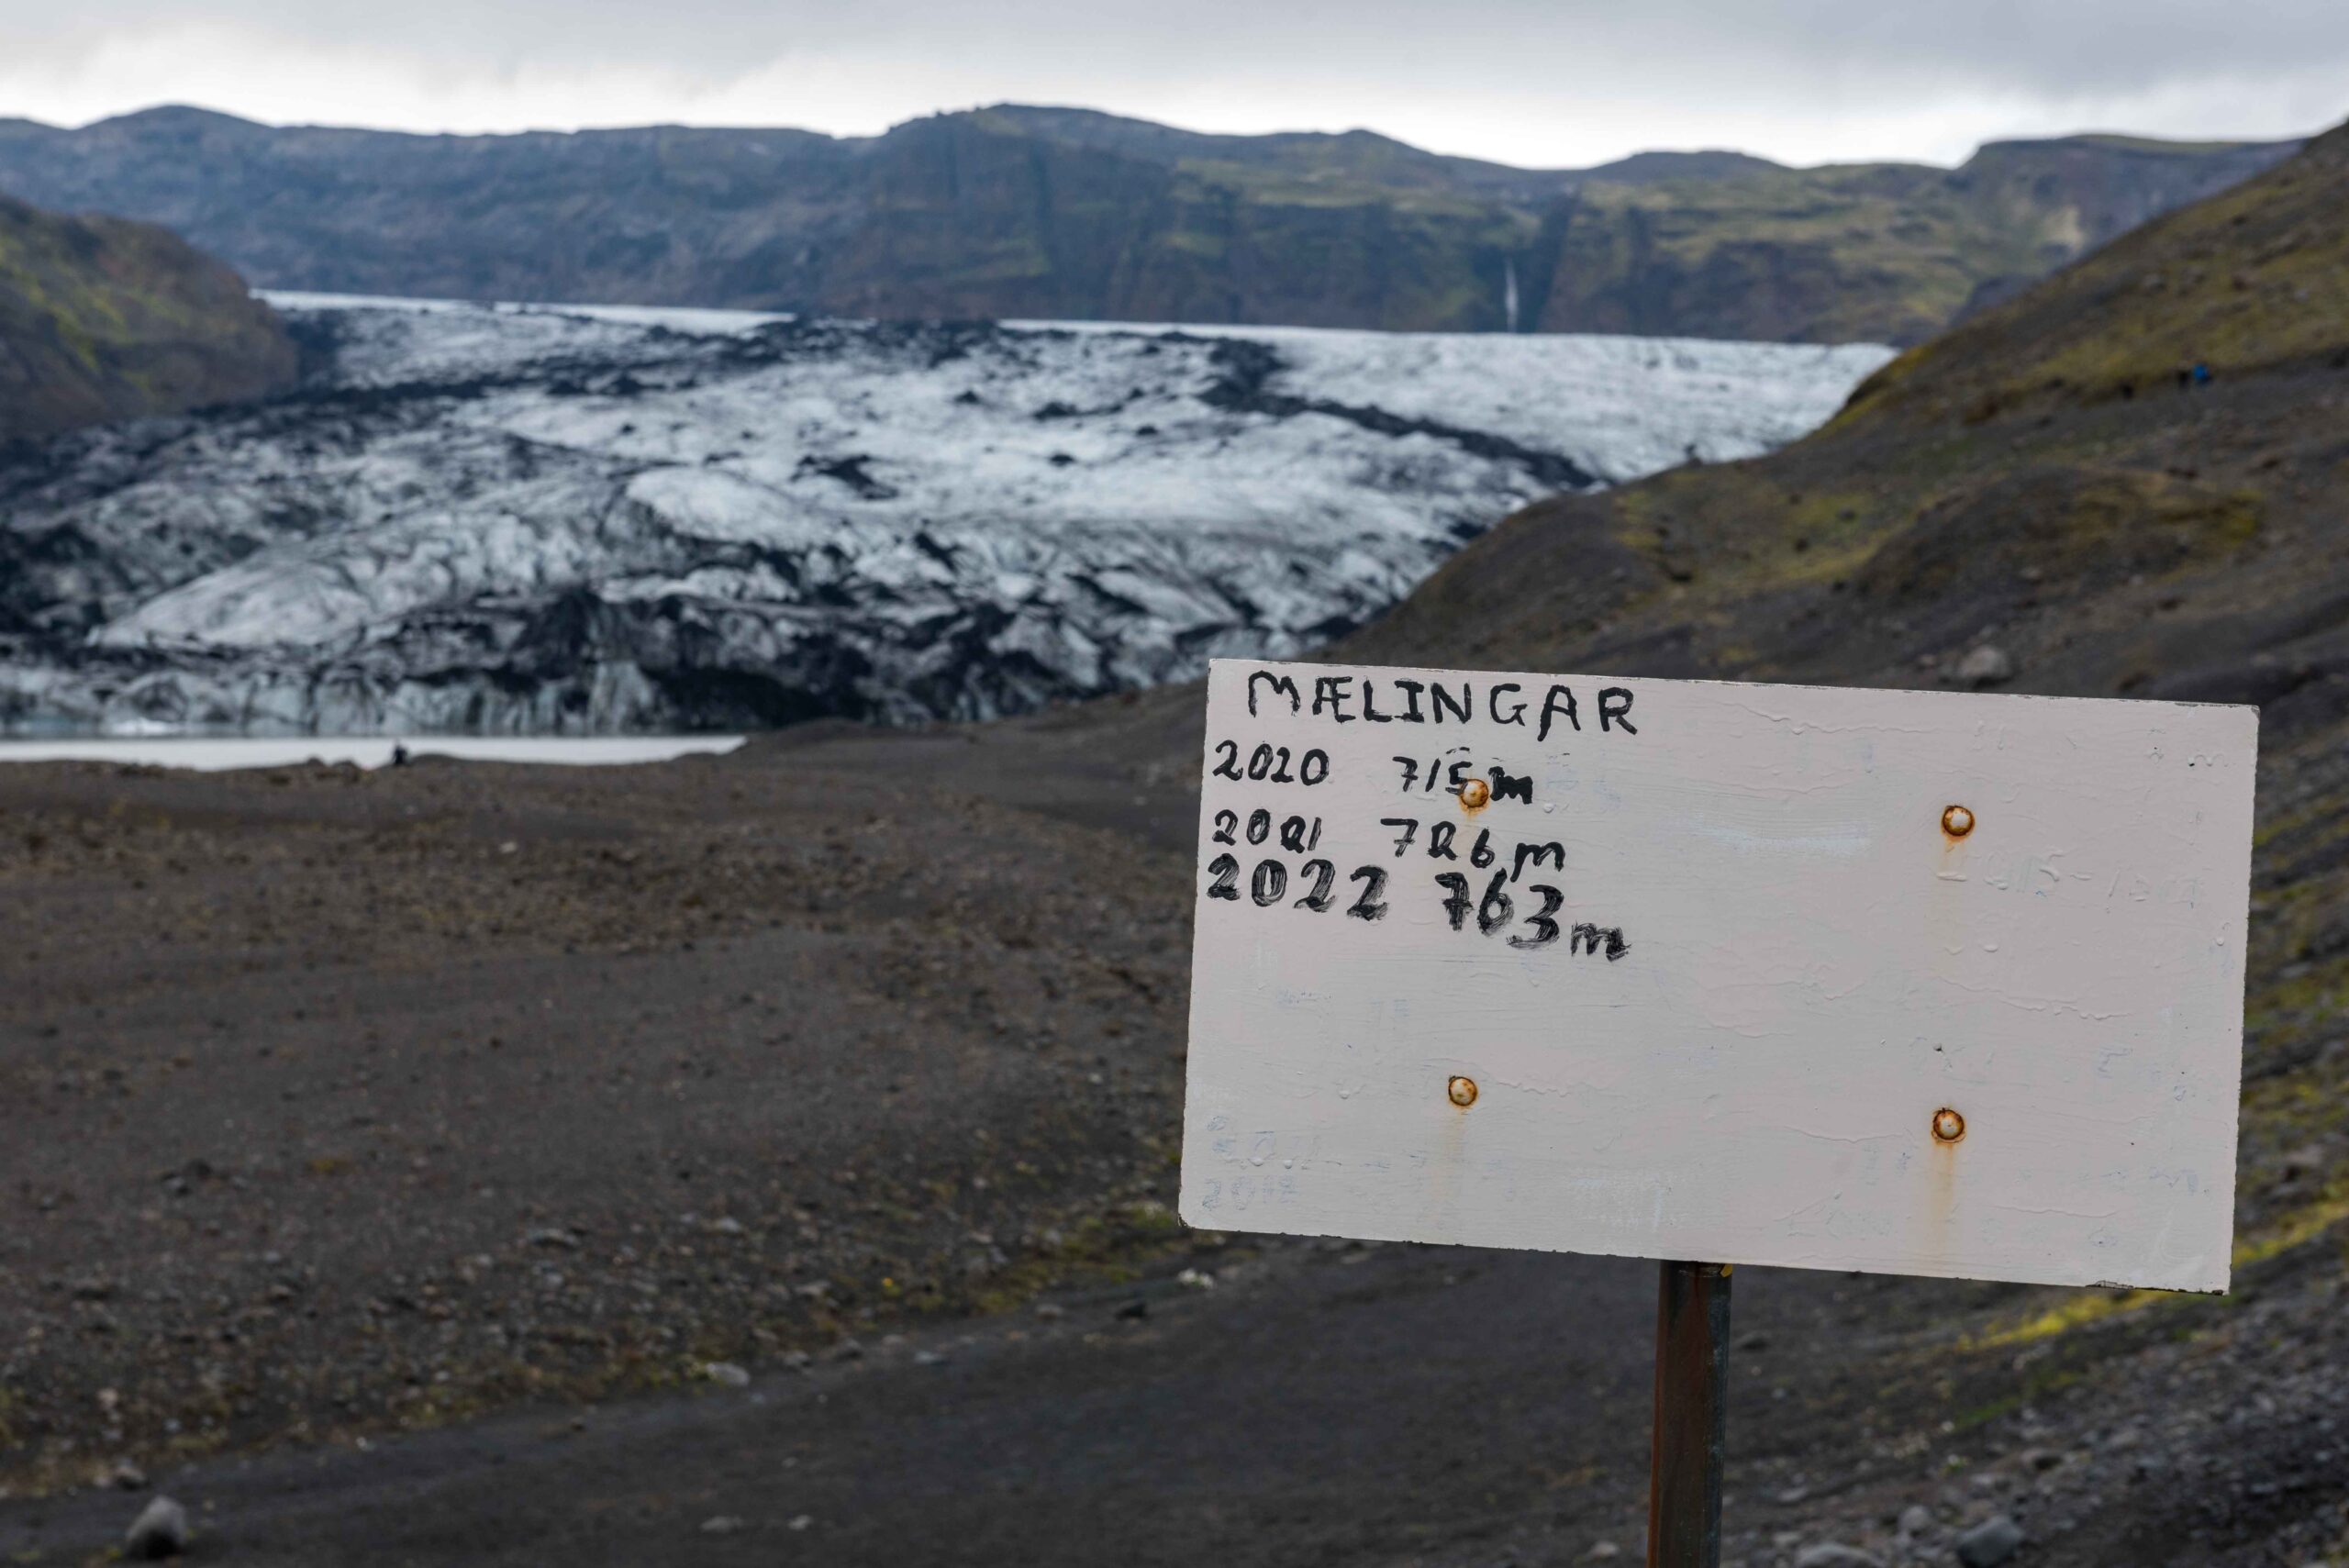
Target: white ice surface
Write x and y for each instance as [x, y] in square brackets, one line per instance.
[210, 754]
[514, 518]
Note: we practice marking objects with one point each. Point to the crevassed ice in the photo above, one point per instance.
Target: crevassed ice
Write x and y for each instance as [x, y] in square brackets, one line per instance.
[523, 520]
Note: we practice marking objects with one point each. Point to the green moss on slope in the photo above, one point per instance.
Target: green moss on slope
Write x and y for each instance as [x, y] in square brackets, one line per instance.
[2039, 482]
[102, 318]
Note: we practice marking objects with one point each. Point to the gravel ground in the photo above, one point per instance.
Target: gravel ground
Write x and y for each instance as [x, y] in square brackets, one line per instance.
[345, 1100]
[836, 1224]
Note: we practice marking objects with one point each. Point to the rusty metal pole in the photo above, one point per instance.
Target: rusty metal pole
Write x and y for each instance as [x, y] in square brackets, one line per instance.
[1691, 1407]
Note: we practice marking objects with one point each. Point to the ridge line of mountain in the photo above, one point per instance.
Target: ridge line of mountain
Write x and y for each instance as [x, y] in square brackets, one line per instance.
[1023, 211]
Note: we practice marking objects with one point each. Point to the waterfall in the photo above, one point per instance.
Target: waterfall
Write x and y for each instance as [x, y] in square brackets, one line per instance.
[1509, 290]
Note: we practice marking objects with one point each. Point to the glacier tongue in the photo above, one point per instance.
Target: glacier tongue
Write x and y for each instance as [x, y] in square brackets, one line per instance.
[513, 520]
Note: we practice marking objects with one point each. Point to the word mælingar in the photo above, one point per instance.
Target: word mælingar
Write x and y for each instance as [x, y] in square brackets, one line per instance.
[1397, 699]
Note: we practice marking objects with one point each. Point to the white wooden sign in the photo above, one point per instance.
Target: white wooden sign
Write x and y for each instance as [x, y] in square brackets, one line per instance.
[1912, 982]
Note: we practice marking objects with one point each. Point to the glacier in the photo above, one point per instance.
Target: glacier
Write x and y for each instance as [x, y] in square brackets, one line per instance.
[518, 520]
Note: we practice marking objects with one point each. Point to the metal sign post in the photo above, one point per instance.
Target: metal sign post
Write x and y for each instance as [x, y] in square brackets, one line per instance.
[1691, 1417]
[1927, 983]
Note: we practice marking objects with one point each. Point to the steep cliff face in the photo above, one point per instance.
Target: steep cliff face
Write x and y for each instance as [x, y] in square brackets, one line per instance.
[1880, 253]
[102, 318]
[1066, 214]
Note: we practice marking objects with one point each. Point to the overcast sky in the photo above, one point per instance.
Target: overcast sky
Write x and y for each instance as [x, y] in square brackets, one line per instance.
[1556, 82]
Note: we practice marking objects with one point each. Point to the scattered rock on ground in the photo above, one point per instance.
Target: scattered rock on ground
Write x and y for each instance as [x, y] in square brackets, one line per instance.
[1835, 1554]
[1991, 1542]
[160, 1531]
[1986, 666]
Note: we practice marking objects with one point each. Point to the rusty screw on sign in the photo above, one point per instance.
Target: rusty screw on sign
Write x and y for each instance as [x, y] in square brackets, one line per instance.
[1462, 1092]
[1475, 794]
[1956, 821]
[1948, 1126]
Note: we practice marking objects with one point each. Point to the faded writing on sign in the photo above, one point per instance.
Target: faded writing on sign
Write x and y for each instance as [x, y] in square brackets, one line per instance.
[1457, 853]
[1719, 969]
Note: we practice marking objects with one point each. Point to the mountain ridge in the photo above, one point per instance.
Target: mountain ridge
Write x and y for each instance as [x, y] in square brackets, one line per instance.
[1042, 212]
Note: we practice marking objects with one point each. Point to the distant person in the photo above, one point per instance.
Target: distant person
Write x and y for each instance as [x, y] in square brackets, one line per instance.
[399, 755]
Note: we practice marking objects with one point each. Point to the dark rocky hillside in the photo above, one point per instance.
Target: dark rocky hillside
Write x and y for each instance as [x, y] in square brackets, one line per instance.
[2129, 481]
[1062, 213]
[2051, 493]
[104, 318]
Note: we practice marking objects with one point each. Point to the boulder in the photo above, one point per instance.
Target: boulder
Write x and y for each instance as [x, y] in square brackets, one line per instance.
[1989, 1543]
[161, 1530]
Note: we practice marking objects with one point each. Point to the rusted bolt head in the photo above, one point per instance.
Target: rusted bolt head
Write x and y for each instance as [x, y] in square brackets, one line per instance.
[1461, 1092]
[1474, 792]
[1956, 821]
[1948, 1126]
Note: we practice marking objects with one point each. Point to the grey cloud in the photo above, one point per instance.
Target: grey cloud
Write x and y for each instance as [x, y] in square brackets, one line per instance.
[2057, 45]
[1410, 65]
